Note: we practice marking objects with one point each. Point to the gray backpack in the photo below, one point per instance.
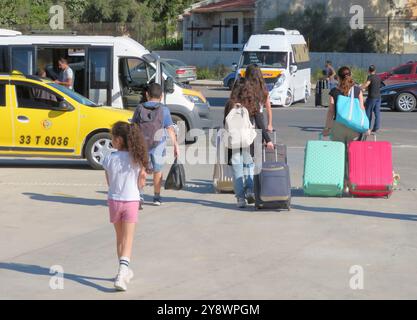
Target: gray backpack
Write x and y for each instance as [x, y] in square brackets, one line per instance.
[151, 122]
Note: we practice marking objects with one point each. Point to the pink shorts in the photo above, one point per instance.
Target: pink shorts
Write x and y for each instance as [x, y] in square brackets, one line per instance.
[126, 211]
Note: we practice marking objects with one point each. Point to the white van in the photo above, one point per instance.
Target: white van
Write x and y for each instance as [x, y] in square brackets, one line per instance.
[283, 57]
[111, 71]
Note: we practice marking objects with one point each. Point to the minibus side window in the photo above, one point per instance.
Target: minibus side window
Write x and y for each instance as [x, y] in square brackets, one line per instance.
[3, 59]
[23, 59]
[36, 97]
[139, 71]
[2, 95]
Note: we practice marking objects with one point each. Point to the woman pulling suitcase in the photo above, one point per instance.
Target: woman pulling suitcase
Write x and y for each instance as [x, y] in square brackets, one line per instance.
[346, 118]
[244, 99]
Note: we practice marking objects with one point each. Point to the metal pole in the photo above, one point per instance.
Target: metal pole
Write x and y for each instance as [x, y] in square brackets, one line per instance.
[192, 36]
[389, 30]
[220, 35]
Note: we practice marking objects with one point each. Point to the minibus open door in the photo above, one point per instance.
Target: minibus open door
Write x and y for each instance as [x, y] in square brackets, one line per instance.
[99, 74]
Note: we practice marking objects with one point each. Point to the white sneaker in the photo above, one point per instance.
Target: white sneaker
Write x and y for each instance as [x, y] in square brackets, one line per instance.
[129, 275]
[120, 282]
[241, 203]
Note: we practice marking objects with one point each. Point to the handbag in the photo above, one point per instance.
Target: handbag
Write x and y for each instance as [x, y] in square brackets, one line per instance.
[350, 114]
[176, 177]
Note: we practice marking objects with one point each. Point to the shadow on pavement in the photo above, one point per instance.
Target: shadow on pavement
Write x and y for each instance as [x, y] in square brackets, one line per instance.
[308, 129]
[202, 187]
[42, 271]
[44, 164]
[67, 200]
[364, 213]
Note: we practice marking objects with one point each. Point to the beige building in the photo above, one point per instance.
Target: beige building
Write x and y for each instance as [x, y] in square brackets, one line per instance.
[240, 18]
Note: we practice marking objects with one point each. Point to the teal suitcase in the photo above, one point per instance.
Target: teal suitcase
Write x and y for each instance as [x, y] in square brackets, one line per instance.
[324, 168]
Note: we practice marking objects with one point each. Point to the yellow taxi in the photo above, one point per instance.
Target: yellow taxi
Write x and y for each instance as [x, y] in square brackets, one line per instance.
[43, 119]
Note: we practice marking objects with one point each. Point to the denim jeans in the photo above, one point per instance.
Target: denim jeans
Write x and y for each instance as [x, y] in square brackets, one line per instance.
[374, 106]
[243, 170]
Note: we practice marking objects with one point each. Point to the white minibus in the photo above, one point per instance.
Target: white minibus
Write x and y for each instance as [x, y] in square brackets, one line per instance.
[112, 71]
[283, 57]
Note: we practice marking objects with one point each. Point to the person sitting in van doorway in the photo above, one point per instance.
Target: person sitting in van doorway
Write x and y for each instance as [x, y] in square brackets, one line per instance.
[66, 75]
[153, 119]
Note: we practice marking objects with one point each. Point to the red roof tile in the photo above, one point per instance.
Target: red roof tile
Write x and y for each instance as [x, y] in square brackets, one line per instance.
[227, 5]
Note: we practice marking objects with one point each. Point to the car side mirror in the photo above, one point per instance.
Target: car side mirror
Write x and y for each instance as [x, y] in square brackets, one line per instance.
[293, 68]
[64, 106]
[169, 85]
[234, 65]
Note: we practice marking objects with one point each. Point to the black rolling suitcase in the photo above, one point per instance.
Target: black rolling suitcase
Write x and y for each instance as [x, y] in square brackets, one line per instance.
[322, 93]
[272, 185]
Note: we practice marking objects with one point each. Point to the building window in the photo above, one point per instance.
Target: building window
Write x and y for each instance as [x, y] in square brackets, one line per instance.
[247, 28]
[410, 35]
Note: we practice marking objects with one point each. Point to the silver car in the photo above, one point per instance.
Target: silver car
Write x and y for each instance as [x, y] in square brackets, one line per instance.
[183, 72]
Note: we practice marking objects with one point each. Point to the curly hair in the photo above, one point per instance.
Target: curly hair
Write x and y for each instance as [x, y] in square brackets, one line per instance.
[346, 81]
[245, 94]
[133, 141]
[255, 78]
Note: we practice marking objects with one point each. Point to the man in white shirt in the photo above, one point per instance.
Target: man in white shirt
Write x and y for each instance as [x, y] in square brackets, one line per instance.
[66, 76]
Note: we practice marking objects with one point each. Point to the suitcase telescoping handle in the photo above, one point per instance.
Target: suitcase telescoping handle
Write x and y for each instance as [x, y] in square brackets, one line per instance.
[321, 137]
[275, 151]
[364, 137]
[273, 135]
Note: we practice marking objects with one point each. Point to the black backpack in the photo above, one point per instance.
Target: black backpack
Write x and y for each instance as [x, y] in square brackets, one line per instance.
[151, 122]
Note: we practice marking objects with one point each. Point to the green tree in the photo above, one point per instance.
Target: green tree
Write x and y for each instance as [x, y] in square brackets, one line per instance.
[111, 11]
[364, 40]
[19, 12]
[322, 32]
[328, 34]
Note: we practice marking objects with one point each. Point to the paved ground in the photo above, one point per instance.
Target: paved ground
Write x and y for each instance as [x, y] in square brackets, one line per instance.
[198, 245]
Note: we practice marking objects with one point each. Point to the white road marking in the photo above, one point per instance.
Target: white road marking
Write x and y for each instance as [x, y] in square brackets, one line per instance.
[401, 146]
[53, 184]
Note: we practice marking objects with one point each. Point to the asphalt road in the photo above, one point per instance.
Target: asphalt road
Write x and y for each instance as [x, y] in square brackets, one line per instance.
[198, 245]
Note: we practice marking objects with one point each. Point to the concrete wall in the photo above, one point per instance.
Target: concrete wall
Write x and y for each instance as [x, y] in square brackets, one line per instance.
[362, 60]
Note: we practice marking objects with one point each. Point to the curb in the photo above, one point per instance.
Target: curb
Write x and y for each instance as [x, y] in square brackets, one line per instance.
[207, 84]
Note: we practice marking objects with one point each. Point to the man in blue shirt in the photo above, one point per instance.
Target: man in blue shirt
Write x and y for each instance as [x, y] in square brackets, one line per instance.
[157, 152]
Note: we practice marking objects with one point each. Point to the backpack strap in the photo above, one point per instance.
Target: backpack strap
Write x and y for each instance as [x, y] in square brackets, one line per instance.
[136, 115]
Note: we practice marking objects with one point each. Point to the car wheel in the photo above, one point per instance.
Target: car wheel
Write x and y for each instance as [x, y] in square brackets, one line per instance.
[230, 84]
[405, 102]
[181, 135]
[98, 147]
[289, 99]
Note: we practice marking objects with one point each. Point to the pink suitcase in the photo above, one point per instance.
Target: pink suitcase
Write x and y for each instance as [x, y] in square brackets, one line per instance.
[370, 169]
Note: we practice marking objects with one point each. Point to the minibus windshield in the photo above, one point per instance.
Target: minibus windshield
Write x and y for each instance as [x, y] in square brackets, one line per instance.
[73, 95]
[265, 59]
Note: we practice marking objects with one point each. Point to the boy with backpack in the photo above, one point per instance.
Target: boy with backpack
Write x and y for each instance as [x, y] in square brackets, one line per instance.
[155, 121]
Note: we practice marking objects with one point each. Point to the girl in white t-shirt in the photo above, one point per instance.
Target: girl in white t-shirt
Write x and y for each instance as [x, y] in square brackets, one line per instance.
[122, 174]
